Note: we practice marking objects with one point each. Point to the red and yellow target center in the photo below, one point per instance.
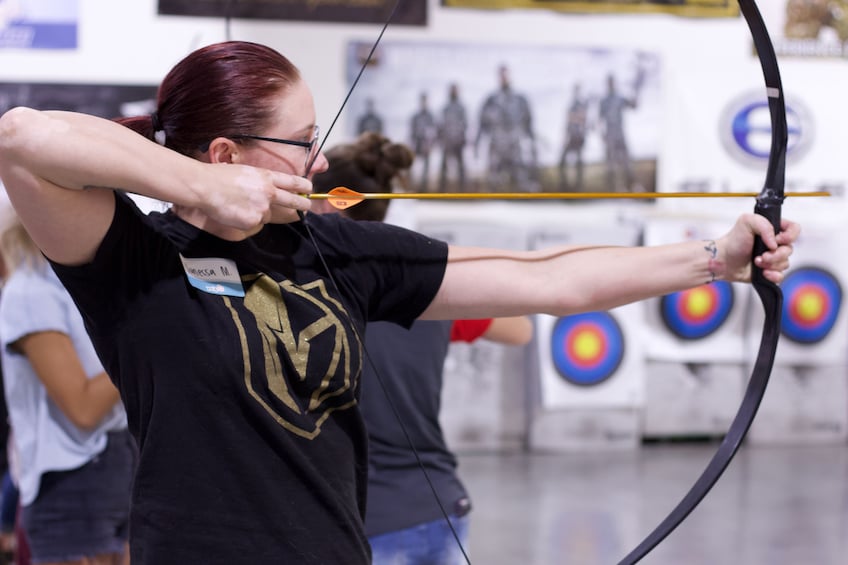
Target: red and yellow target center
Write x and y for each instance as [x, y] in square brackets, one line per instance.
[809, 305]
[586, 345]
[699, 303]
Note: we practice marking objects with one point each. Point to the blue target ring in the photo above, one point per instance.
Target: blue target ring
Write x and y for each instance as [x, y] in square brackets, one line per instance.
[812, 298]
[587, 349]
[698, 312]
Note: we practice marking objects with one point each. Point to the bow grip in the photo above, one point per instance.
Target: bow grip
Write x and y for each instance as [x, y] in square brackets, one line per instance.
[768, 205]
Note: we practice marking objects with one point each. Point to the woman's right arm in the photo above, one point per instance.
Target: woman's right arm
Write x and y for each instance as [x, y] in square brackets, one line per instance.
[60, 168]
[85, 402]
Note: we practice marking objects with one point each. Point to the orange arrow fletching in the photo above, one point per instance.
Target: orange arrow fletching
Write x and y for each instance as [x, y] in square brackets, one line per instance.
[343, 198]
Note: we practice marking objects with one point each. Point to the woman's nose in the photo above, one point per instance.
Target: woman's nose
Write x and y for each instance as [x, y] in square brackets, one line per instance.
[320, 165]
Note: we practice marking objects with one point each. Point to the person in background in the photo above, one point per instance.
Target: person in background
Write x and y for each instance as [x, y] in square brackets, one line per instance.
[8, 492]
[506, 122]
[576, 126]
[620, 176]
[74, 455]
[422, 134]
[370, 120]
[453, 129]
[13, 546]
[230, 323]
[403, 520]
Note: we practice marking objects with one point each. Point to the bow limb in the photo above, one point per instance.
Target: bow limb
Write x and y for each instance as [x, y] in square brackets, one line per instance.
[768, 205]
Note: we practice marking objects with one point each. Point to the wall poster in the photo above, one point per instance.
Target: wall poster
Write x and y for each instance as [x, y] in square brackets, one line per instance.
[104, 100]
[409, 12]
[38, 24]
[810, 29]
[514, 118]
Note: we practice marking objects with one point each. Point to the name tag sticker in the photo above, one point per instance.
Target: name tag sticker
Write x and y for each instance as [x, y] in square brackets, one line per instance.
[213, 275]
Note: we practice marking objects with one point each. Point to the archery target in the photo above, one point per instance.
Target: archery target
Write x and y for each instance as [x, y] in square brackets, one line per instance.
[704, 324]
[592, 360]
[804, 404]
[812, 298]
[698, 312]
[587, 349]
[813, 328]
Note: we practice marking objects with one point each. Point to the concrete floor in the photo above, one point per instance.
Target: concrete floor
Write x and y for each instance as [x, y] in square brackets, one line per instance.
[772, 506]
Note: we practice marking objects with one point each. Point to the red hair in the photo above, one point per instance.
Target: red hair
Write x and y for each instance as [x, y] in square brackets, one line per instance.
[217, 91]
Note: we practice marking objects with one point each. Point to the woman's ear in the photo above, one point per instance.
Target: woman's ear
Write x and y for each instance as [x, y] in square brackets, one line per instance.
[222, 150]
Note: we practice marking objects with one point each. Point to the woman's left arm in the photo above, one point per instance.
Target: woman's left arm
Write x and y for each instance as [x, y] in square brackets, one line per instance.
[481, 283]
[84, 401]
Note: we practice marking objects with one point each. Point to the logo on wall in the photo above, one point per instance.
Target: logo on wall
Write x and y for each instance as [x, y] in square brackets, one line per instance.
[587, 348]
[745, 129]
[697, 312]
[812, 298]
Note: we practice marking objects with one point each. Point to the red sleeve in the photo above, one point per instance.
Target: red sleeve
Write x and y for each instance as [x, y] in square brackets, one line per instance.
[469, 330]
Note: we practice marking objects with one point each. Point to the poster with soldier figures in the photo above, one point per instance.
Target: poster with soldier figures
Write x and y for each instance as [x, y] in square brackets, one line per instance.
[485, 118]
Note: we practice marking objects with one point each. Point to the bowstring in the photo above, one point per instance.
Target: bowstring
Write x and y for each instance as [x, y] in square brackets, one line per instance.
[325, 266]
[353, 85]
[335, 285]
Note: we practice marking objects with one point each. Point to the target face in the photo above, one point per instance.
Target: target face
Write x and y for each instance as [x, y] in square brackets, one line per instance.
[811, 301]
[587, 348]
[697, 312]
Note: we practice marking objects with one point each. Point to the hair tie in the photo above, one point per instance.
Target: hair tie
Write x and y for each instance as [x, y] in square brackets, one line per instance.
[158, 130]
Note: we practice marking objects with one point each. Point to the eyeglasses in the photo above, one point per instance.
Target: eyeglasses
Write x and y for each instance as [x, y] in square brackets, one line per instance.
[310, 146]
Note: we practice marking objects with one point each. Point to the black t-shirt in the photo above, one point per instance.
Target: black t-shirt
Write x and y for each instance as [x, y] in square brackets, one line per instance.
[252, 448]
[407, 366]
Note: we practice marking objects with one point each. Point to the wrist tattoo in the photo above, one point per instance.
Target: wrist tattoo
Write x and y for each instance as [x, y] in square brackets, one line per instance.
[711, 248]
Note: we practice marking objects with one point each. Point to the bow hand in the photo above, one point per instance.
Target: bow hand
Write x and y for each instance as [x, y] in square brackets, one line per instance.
[754, 251]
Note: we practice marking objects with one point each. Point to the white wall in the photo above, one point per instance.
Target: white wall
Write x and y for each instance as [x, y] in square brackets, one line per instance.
[128, 42]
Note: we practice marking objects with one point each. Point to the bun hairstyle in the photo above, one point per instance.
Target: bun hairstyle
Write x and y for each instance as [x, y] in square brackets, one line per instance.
[371, 163]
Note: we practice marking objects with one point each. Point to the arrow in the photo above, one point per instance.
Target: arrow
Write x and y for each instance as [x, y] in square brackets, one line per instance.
[343, 198]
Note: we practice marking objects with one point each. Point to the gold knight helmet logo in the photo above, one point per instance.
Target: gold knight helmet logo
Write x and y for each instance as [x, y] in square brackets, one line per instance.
[312, 358]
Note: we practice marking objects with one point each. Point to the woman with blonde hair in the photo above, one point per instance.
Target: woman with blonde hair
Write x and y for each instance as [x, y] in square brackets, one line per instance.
[75, 455]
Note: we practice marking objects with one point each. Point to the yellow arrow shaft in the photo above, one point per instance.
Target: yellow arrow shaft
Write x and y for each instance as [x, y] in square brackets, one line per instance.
[547, 195]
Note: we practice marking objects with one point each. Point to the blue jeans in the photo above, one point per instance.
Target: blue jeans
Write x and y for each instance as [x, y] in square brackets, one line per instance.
[8, 504]
[431, 543]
